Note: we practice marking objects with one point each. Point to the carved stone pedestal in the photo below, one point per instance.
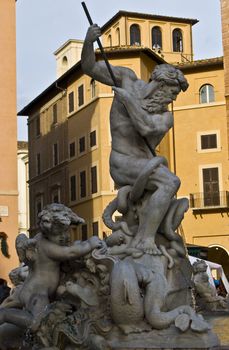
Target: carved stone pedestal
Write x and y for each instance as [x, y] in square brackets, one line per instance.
[167, 339]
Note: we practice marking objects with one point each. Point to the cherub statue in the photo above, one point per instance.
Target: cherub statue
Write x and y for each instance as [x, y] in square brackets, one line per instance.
[43, 254]
[206, 295]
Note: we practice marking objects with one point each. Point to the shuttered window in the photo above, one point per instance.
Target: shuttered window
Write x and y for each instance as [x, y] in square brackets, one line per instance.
[83, 191]
[73, 188]
[211, 186]
[95, 228]
[208, 141]
[84, 232]
[71, 102]
[93, 138]
[80, 95]
[94, 187]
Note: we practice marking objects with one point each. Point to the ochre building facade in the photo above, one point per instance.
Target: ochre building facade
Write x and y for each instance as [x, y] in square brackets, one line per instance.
[8, 137]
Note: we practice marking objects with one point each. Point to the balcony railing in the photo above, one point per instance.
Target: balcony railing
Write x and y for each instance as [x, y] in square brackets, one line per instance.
[209, 201]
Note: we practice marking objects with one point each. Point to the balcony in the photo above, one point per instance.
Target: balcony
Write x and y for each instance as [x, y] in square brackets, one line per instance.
[216, 200]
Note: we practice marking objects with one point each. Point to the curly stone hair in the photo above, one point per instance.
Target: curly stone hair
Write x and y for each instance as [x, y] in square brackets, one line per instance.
[53, 210]
[170, 75]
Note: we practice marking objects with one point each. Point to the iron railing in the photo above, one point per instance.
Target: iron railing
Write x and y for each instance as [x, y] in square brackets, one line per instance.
[210, 200]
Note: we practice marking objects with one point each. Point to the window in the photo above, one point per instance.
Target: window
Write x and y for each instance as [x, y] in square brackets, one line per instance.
[93, 138]
[55, 154]
[211, 186]
[38, 126]
[177, 40]
[71, 102]
[94, 187]
[80, 95]
[38, 204]
[95, 228]
[156, 38]
[135, 35]
[84, 232]
[117, 33]
[54, 113]
[72, 149]
[38, 161]
[73, 188]
[208, 141]
[206, 94]
[92, 84]
[65, 63]
[83, 191]
[56, 195]
[82, 144]
[109, 40]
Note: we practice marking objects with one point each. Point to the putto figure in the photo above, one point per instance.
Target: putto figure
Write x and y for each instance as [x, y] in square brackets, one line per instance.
[43, 254]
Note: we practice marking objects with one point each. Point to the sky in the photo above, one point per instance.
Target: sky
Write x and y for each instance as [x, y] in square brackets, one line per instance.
[44, 25]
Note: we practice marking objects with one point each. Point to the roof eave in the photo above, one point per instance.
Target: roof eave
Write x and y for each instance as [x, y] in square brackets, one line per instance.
[55, 86]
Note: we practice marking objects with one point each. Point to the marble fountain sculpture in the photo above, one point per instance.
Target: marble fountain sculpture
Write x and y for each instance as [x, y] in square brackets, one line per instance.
[133, 289]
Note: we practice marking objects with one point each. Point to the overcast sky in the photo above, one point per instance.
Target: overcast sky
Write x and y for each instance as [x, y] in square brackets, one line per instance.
[44, 25]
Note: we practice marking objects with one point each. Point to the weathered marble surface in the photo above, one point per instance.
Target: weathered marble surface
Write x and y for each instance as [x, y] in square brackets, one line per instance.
[207, 298]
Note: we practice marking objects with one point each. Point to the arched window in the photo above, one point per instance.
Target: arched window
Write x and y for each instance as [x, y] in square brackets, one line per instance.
[117, 36]
[65, 62]
[92, 85]
[156, 38]
[135, 35]
[177, 40]
[109, 41]
[206, 93]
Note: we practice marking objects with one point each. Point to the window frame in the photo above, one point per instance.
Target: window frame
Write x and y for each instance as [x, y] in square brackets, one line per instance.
[132, 35]
[69, 149]
[79, 86]
[208, 150]
[92, 147]
[207, 86]
[93, 88]
[72, 198]
[152, 37]
[53, 190]
[81, 198]
[55, 154]
[38, 125]
[118, 36]
[72, 102]
[201, 180]
[82, 226]
[39, 198]
[94, 191]
[78, 145]
[181, 42]
[38, 163]
[54, 114]
[95, 221]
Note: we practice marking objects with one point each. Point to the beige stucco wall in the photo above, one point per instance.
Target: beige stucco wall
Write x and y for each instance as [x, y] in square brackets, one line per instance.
[8, 132]
[209, 227]
[146, 25]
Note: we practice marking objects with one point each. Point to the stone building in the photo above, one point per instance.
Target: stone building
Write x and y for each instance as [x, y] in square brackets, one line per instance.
[69, 138]
[8, 136]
